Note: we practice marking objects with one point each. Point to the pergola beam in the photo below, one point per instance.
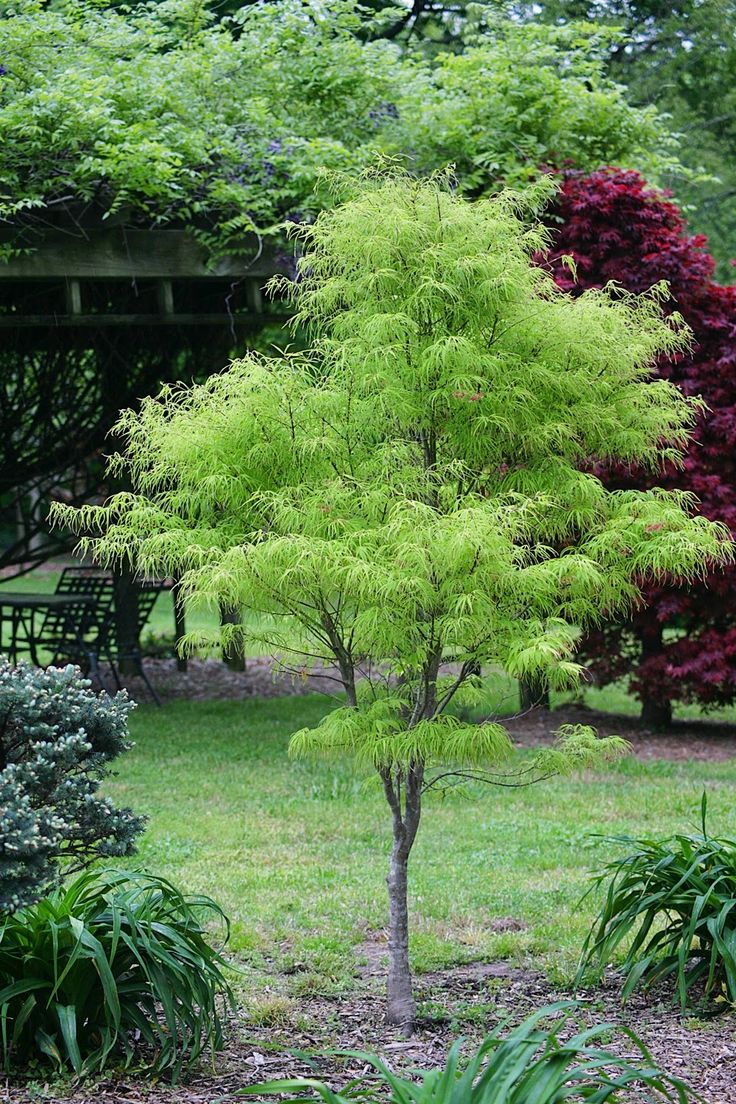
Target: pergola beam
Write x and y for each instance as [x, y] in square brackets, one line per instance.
[249, 320]
[120, 253]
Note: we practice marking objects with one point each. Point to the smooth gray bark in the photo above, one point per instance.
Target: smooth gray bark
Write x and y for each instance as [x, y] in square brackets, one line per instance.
[403, 791]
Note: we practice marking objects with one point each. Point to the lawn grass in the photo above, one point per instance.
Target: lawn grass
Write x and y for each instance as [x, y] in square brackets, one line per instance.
[296, 852]
[502, 694]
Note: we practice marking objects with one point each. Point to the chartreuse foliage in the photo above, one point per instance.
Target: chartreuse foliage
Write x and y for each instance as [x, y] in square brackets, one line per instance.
[112, 968]
[158, 114]
[530, 1062]
[677, 898]
[407, 497]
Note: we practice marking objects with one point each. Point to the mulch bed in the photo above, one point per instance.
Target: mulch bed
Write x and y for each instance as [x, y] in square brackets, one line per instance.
[703, 1053]
[701, 741]
[210, 679]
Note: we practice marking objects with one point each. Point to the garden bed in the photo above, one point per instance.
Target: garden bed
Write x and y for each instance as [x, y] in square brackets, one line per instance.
[464, 1001]
[232, 820]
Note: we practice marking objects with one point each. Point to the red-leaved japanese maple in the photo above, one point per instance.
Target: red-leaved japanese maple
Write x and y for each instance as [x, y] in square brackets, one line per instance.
[681, 646]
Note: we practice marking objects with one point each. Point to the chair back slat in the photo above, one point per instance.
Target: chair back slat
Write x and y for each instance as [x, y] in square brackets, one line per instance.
[87, 633]
[56, 630]
[97, 618]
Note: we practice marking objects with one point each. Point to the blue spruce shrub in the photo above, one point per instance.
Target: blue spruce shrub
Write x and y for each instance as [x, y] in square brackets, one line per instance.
[57, 739]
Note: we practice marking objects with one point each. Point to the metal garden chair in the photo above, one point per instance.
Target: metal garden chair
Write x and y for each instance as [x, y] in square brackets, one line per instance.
[95, 639]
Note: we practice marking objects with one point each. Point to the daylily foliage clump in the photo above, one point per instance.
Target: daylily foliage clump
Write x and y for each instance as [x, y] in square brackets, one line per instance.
[405, 501]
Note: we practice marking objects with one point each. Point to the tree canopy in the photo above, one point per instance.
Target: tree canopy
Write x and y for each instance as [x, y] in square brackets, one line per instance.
[157, 114]
[680, 646]
[681, 57]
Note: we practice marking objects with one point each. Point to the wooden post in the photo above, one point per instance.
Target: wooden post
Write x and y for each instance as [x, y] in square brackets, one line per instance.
[253, 296]
[165, 296]
[179, 625]
[73, 296]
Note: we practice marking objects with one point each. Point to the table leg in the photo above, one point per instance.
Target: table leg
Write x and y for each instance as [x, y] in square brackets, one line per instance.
[14, 622]
[31, 637]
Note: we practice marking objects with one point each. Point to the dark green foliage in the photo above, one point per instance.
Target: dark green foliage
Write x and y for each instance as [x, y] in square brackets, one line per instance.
[677, 898]
[112, 968]
[681, 56]
[164, 114]
[529, 1063]
[158, 645]
[57, 739]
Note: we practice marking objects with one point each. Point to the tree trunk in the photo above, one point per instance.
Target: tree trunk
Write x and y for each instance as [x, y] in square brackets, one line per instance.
[656, 714]
[401, 1006]
[655, 711]
[179, 626]
[126, 621]
[533, 694]
[233, 655]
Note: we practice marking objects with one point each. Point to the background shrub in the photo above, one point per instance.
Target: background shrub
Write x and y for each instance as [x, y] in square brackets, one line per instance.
[677, 898]
[57, 739]
[159, 645]
[112, 968]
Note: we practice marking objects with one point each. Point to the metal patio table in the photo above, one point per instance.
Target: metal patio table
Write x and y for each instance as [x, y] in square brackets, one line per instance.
[23, 607]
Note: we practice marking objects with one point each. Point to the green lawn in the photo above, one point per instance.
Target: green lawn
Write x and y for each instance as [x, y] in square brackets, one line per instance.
[296, 851]
[614, 699]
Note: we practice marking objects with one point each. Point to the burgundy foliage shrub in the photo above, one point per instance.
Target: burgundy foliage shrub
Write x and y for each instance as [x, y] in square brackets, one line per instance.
[682, 645]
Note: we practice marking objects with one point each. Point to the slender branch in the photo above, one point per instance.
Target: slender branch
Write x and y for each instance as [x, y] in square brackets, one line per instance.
[390, 792]
[466, 671]
[403, 22]
[413, 802]
[487, 778]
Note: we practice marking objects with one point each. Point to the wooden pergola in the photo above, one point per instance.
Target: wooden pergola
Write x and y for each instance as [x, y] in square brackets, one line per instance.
[92, 319]
[129, 277]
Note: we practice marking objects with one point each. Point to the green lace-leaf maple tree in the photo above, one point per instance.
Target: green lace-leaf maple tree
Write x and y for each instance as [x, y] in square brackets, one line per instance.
[404, 502]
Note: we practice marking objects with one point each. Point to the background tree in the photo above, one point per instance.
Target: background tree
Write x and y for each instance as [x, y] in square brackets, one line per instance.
[680, 646]
[160, 116]
[169, 115]
[679, 55]
[393, 499]
[57, 739]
